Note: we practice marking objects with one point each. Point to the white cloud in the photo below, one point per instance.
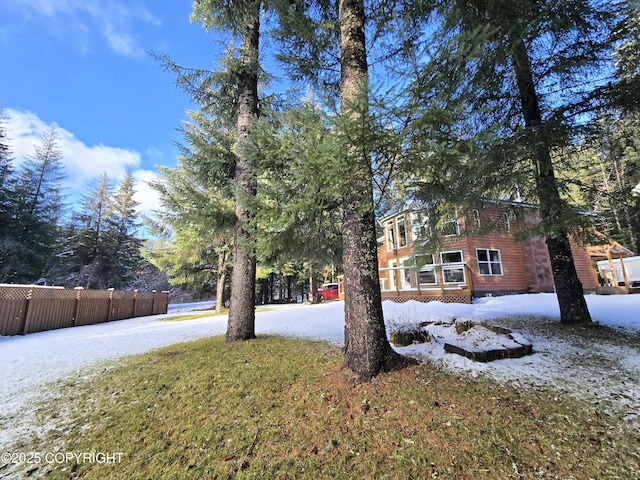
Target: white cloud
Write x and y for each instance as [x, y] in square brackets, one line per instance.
[115, 20]
[82, 162]
[146, 196]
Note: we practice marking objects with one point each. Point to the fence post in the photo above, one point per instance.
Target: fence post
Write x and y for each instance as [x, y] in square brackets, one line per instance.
[25, 314]
[135, 302]
[111, 290]
[76, 308]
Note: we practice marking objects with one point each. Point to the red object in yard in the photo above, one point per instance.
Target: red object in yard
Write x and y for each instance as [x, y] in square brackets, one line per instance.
[328, 291]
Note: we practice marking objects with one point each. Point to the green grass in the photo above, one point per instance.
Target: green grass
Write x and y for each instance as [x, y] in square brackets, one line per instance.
[192, 316]
[208, 313]
[281, 408]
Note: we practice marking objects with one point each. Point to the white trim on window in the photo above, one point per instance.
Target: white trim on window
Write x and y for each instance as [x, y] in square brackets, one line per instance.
[489, 262]
[402, 231]
[390, 235]
[453, 271]
[507, 221]
[476, 218]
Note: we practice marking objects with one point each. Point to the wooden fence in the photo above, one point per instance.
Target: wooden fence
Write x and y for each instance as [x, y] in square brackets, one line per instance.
[28, 309]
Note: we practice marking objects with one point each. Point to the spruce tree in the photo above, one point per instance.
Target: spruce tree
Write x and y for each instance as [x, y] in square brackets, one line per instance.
[508, 99]
[88, 248]
[323, 40]
[242, 20]
[123, 229]
[198, 215]
[9, 246]
[367, 350]
[39, 209]
[297, 210]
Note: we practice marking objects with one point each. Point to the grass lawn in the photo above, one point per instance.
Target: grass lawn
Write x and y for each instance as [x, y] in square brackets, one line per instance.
[281, 408]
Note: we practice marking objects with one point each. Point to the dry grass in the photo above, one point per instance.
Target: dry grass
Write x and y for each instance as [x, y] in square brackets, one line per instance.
[282, 408]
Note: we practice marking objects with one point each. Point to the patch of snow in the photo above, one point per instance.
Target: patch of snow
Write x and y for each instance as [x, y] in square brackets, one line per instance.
[34, 364]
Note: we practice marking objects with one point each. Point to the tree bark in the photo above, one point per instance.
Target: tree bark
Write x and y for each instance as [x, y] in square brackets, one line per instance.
[367, 350]
[241, 323]
[573, 307]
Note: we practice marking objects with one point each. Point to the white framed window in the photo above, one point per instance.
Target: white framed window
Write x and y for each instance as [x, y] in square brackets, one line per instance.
[408, 273]
[476, 218]
[390, 233]
[427, 273]
[392, 274]
[451, 227]
[489, 261]
[402, 231]
[420, 228]
[507, 222]
[453, 267]
[396, 233]
[454, 256]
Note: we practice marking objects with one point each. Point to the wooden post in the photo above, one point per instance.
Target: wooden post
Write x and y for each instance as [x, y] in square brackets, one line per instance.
[135, 302]
[614, 277]
[624, 273]
[25, 314]
[110, 311]
[469, 278]
[153, 301]
[76, 307]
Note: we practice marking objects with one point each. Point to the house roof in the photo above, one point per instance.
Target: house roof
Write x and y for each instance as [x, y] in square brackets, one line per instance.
[417, 205]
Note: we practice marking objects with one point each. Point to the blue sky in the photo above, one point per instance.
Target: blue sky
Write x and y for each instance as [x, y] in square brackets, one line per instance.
[83, 67]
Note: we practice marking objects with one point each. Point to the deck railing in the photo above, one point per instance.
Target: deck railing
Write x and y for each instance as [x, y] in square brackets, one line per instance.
[444, 282]
[28, 308]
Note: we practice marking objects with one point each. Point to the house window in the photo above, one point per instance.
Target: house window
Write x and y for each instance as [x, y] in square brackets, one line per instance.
[420, 228]
[453, 267]
[507, 222]
[451, 257]
[489, 261]
[392, 274]
[396, 233]
[427, 273]
[402, 232]
[476, 218]
[407, 272]
[451, 227]
[391, 236]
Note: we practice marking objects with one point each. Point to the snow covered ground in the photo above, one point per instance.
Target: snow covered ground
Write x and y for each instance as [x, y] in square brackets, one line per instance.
[606, 373]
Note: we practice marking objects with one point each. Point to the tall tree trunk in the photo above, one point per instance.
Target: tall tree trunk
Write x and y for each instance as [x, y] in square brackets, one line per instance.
[573, 307]
[241, 323]
[367, 350]
[313, 285]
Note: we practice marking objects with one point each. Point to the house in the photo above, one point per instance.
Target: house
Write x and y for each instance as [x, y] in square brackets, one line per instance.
[471, 263]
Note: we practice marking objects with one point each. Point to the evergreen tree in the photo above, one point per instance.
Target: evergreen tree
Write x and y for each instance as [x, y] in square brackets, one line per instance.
[321, 34]
[242, 20]
[507, 104]
[367, 350]
[127, 260]
[626, 90]
[297, 210]
[39, 209]
[198, 209]
[101, 248]
[9, 246]
[88, 248]
[612, 171]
